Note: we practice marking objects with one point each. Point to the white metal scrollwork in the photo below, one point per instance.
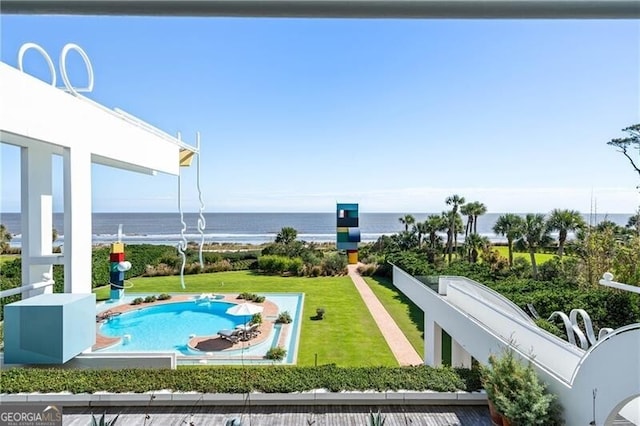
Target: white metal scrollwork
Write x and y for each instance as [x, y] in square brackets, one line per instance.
[62, 63]
[201, 222]
[25, 47]
[572, 328]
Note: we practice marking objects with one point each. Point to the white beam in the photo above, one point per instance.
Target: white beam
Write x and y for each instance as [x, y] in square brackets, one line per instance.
[66, 121]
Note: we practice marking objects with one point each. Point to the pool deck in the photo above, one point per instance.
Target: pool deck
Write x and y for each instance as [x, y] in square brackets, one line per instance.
[205, 344]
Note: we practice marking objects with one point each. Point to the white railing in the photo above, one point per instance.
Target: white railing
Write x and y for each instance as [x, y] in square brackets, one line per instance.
[25, 288]
[484, 293]
[549, 351]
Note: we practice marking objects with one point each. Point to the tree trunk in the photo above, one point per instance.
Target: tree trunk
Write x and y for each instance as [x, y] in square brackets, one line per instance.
[534, 266]
[474, 255]
[561, 239]
[510, 244]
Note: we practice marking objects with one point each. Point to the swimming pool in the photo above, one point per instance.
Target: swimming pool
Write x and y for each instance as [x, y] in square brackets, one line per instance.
[169, 327]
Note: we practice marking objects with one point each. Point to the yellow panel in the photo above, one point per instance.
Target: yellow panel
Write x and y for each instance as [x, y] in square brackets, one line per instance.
[342, 229]
[117, 248]
[185, 157]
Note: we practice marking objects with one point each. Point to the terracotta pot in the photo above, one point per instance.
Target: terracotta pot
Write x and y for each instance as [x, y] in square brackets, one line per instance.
[496, 417]
[505, 421]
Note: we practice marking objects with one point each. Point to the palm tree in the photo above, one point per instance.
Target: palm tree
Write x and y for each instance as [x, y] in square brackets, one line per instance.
[456, 201]
[535, 233]
[407, 220]
[287, 235]
[467, 210]
[5, 238]
[510, 226]
[473, 243]
[472, 210]
[564, 221]
[421, 229]
[434, 224]
[478, 210]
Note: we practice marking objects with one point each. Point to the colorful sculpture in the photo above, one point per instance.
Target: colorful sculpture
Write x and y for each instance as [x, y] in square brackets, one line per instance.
[348, 233]
[117, 268]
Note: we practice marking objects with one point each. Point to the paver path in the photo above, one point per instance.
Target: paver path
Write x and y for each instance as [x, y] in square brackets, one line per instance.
[397, 341]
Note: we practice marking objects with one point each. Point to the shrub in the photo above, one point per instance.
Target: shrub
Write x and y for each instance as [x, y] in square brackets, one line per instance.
[368, 270]
[219, 266]
[314, 271]
[284, 318]
[376, 419]
[551, 328]
[334, 264]
[276, 354]
[225, 379]
[164, 296]
[256, 318]
[150, 299]
[137, 301]
[273, 264]
[516, 391]
[251, 297]
[102, 421]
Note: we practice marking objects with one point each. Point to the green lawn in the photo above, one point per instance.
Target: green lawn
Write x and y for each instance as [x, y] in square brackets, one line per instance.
[8, 258]
[540, 257]
[347, 336]
[405, 313]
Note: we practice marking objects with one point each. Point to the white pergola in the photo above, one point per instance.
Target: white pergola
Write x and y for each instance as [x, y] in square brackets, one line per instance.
[43, 121]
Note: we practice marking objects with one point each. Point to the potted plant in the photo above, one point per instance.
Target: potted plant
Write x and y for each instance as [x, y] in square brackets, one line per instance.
[515, 394]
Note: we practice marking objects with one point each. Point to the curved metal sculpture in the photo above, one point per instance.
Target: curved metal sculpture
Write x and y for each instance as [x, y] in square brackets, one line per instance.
[572, 328]
[201, 222]
[182, 245]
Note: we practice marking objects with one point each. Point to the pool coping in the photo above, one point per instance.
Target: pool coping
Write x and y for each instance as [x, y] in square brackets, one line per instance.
[317, 397]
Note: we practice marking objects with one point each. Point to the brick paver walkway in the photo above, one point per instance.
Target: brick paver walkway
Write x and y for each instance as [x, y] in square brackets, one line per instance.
[397, 341]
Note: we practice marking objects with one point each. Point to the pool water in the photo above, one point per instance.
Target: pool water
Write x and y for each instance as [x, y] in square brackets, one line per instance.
[168, 327]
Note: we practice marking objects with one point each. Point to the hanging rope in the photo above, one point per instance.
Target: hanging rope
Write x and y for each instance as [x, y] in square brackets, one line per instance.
[201, 222]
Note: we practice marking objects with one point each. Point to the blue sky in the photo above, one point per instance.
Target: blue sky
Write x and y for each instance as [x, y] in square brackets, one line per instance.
[296, 114]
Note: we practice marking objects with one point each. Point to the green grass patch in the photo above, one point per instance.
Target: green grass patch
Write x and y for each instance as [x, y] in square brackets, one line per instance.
[347, 336]
[8, 258]
[228, 379]
[404, 312]
[540, 257]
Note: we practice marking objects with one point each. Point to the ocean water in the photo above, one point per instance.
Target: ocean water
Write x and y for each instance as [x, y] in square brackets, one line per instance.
[246, 228]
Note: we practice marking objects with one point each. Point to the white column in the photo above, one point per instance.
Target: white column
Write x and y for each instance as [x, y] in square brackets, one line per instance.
[432, 342]
[37, 215]
[77, 220]
[459, 356]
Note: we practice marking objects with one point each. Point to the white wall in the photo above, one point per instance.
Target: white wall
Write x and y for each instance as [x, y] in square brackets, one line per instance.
[484, 325]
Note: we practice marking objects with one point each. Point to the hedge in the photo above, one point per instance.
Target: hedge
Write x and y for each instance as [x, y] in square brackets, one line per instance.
[234, 379]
